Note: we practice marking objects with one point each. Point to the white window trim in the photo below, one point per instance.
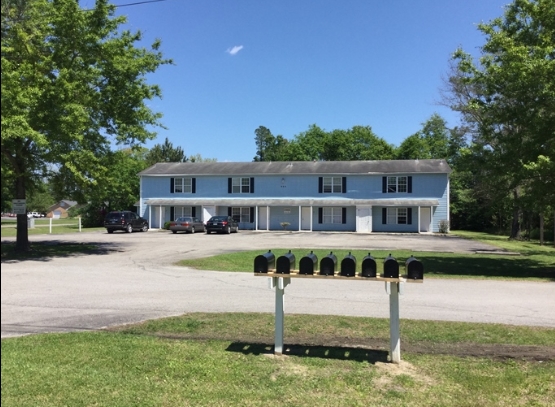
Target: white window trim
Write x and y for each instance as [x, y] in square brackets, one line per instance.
[244, 214]
[241, 185]
[183, 185]
[395, 216]
[333, 184]
[396, 184]
[332, 215]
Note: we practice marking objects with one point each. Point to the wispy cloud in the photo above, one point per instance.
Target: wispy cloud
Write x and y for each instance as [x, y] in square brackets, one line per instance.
[234, 50]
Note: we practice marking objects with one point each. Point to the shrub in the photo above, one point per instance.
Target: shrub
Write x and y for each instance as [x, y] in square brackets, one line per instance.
[167, 225]
[444, 226]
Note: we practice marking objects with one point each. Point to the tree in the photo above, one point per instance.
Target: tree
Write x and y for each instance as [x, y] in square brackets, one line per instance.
[165, 153]
[358, 143]
[509, 96]
[433, 141]
[72, 85]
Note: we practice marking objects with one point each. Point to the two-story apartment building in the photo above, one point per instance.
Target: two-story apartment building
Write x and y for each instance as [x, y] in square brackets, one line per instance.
[361, 196]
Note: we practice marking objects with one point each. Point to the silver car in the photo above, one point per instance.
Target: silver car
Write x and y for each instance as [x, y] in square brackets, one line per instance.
[187, 224]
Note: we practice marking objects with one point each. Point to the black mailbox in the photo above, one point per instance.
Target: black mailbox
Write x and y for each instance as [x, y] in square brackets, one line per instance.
[390, 267]
[308, 264]
[414, 269]
[328, 264]
[286, 263]
[264, 262]
[369, 267]
[348, 266]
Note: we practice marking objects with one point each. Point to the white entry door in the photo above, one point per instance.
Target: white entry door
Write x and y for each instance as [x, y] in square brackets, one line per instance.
[262, 218]
[208, 212]
[364, 219]
[425, 219]
[155, 221]
[306, 214]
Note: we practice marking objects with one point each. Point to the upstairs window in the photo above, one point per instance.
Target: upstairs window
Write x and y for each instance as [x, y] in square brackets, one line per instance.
[397, 184]
[185, 185]
[332, 185]
[241, 185]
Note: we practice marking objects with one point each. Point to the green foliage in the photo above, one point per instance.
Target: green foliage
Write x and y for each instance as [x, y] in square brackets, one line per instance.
[507, 99]
[165, 153]
[167, 225]
[72, 84]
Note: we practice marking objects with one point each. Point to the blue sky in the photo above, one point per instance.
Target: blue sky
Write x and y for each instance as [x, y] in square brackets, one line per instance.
[289, 64]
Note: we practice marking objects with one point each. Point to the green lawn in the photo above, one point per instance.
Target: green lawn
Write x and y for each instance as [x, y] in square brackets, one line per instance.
[227, 360]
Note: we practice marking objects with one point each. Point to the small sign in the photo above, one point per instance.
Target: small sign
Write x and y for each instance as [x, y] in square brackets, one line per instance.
[19, 206]
[287, 211]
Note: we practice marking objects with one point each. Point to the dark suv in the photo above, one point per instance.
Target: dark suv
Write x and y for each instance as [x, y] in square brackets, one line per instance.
[125, 220]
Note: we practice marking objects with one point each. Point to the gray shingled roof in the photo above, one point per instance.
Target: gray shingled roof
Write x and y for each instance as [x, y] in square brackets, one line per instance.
[299, 167]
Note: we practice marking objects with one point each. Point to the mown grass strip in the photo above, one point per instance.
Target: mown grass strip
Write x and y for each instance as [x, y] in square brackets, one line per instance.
[231, 363]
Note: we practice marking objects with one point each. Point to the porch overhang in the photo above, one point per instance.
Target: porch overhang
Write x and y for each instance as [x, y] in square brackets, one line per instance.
[289, 202]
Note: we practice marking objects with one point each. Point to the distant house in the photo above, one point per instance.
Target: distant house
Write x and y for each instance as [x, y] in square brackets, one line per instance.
[60, 209]
[361, 196]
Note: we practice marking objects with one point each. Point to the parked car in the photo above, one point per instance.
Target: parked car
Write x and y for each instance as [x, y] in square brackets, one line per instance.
[222, 224]
[125, 220]
[187, 224]
[33, 215]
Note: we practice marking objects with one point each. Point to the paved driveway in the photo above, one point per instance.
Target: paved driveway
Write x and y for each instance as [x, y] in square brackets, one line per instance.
[133, 278]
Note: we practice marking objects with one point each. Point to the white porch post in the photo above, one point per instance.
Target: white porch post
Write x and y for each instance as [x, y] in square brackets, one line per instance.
[160, 226]
[256, 218]
[300, 210]
[311, 216]
[150, 215]
[419, 219]
[267, 217]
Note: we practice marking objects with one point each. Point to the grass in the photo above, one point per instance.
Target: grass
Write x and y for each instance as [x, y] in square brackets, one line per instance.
[227, 360]
[533, 265]
[42, 226]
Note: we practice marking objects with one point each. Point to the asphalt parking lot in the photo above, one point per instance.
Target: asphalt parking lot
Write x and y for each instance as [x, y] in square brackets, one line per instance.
[133, 278]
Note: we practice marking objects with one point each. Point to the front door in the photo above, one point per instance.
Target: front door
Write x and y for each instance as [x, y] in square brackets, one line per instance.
[262, 218]
[306, 213]
[364, 219]
[425, 219]
[208, 212]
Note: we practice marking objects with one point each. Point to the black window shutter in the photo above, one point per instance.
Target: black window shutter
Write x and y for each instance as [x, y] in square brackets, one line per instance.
[320, 215]
[171, 185]
[194, 186]
[384, 216]
[320, 185]
[252, 185]
[229, 211]
[344, 186]
[384, 185]
[409, 216]
[194, 211]
[229, 185]
[252, 214]
[409, 186]
[343, 215]
[172, 212]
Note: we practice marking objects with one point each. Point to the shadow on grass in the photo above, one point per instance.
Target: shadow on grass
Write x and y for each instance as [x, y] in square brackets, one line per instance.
[311, 351]
[485, 266]
[46, 251]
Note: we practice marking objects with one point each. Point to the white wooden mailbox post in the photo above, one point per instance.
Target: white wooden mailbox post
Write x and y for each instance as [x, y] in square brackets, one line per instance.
[393, 287]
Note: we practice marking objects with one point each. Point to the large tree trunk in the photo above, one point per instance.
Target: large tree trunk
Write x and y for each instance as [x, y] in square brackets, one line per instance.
[515, 227]
[541, 229]
[22, 241]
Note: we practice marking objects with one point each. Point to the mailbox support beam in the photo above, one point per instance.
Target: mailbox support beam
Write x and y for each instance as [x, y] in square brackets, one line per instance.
[279, 283]
[394, 326]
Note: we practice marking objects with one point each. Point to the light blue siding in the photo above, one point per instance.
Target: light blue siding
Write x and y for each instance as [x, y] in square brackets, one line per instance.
[361, 186]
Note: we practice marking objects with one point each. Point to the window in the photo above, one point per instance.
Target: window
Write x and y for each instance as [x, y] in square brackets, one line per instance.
[182, 185]
[397, 216]
[332, 184]
[241, 214]
[396, 184]
[241, 185]
[332, 215]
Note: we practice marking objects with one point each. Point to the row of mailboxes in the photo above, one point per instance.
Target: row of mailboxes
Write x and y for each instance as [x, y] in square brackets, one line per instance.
[286, 264]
